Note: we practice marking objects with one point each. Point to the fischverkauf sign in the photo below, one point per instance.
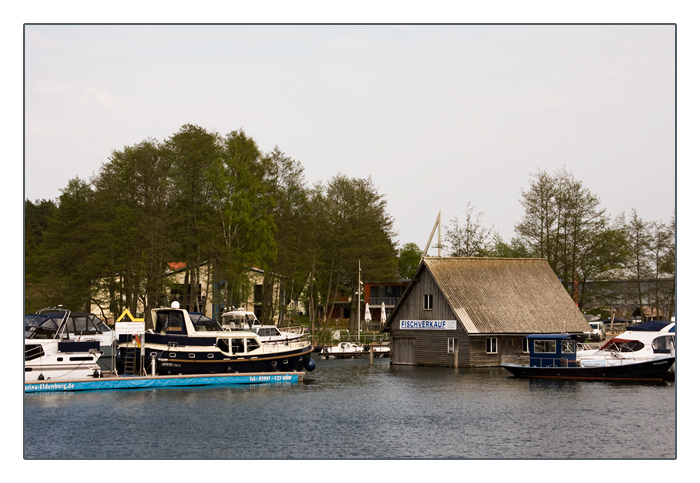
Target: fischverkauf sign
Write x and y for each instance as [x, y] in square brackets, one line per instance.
[429, 324]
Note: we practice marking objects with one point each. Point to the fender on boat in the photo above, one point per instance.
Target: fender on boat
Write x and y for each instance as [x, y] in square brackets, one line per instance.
[310, 365]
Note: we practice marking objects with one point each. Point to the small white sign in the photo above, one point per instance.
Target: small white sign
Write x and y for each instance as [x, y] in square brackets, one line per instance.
[429, 324]
[129, 328]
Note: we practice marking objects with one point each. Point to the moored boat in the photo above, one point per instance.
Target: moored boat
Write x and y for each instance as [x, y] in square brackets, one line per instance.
[176, 346]
[554, 356]
[640, 342]
[342, 350]
[50, 354]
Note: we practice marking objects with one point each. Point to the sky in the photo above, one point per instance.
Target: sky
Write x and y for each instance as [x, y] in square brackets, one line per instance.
[442, 117]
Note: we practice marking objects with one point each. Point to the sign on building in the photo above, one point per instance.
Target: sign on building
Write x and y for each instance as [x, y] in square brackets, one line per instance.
[429, 324]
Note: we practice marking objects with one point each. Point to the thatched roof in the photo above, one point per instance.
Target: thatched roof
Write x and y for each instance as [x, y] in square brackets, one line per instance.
[503, 295]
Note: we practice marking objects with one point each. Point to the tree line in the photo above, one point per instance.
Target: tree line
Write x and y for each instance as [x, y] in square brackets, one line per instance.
[209, 200]
[587, 249]
[219, 202]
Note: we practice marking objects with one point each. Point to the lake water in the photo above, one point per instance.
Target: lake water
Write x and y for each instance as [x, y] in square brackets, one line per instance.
[349, 409]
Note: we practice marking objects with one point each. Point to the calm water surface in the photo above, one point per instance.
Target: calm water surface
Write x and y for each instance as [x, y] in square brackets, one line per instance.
[349, 409]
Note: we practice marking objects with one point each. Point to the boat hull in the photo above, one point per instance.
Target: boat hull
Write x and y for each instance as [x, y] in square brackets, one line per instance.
[174, 361]
[652, 370]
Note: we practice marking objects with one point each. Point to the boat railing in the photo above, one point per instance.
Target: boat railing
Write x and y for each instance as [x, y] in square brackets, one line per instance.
[526, 360]
[297, 343]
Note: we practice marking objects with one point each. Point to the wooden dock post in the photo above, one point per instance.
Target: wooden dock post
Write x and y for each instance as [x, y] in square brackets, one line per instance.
[371, 355]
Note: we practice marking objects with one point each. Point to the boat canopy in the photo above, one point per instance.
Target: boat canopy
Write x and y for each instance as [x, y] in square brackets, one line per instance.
[653, 326]
[202, 323]
[43, 326]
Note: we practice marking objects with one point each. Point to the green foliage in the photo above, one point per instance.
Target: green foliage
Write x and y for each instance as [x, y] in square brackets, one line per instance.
[410, 256]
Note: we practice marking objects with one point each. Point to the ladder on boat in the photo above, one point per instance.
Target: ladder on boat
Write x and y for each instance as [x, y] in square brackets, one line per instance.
[131, 361]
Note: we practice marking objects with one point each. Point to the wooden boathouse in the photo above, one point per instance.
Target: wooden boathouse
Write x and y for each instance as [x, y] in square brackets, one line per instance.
[473, 312]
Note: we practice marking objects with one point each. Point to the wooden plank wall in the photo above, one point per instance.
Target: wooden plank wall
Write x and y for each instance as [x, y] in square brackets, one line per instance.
[430, 347]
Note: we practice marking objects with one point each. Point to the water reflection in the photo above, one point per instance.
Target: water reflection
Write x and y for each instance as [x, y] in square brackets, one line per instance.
[351, 409]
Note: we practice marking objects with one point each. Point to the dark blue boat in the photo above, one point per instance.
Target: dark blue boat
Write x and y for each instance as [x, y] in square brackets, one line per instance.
[178, 345]
[553, 356]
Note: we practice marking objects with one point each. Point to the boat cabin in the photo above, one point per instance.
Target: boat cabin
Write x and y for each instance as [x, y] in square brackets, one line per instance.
[552, 350]
[239, 319]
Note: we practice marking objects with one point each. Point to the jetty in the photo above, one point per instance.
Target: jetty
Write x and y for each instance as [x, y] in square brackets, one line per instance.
[141, 382]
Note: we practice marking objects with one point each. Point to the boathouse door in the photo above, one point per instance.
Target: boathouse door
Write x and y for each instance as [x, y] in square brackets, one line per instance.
[404, 351]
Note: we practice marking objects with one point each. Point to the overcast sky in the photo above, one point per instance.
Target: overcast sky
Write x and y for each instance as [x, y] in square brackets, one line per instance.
[439, 116]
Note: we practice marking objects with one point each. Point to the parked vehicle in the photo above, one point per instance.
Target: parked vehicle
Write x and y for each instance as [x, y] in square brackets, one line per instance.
[597, 333]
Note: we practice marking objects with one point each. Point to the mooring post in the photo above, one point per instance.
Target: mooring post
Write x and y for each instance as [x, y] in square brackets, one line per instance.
[371, 355]
[456, 354]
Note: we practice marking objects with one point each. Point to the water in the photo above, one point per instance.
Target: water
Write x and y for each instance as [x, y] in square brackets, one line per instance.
[348, 409]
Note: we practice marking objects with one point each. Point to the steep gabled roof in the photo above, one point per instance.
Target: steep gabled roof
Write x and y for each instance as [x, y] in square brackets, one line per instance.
[502, 295]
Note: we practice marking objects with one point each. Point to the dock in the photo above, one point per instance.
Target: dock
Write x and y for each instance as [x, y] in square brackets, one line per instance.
[140, 382]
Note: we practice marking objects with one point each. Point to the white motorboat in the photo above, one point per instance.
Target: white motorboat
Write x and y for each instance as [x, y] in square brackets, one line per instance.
[641, 342]
[344, 349]
[379, 350]
[50, 354]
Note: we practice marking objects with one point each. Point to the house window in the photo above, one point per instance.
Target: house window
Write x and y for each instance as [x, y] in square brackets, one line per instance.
[427, 302]
[491, 345]
[525, 345]
[452, 344]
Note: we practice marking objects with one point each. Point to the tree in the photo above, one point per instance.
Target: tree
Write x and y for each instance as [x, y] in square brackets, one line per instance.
[639, 244]
[37, 217]
[410, 256]
[133, 193]
[470, 239]
[193, 152]
[667, 264]
[69, 242]
[515, 249]
[243, 205]
[564, 224]
[284, 178]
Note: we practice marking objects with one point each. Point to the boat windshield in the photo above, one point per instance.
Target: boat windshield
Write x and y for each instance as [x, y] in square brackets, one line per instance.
[268, 331]
[239, 320]
[42, 326]
[203, 323]
[85, 324]
[623, 345]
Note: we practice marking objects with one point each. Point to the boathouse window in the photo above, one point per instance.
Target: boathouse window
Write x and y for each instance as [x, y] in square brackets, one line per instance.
[427, 302]
[452, 344]
[526, 348]
[545, 346]
[491, 345]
